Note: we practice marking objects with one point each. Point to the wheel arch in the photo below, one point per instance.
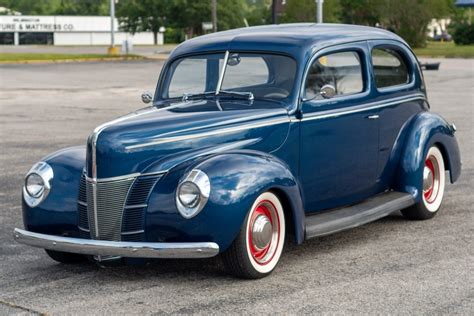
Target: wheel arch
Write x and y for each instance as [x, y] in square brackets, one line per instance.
[426, 130]
[267, 172]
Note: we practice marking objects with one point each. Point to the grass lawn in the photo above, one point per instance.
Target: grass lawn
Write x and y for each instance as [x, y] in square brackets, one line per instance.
[21, 57]
[446, 49]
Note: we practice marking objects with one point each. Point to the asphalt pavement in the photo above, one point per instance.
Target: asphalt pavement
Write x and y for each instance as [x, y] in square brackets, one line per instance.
[392, 266]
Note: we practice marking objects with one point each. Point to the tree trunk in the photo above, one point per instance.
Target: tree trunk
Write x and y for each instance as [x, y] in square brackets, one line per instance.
[155, 37]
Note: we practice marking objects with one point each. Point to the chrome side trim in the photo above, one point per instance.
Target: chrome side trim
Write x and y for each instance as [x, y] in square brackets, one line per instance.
[133, 232]
[117, 248]
[84, 229]
[127, 207]
[228, 130]
[361, 108]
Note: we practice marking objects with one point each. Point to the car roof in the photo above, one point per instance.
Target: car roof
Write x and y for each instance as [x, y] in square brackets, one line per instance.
[294, 39]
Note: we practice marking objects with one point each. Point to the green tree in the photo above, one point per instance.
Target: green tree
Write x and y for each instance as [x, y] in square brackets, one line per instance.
[189, 14]
[410, 18]
[258, 12]
[82, 7]
[305, 11]
[31, 7]
[143, 15]
[362, 12]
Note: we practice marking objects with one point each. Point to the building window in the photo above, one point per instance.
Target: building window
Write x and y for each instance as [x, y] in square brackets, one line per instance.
[36, 38]
[6, 38]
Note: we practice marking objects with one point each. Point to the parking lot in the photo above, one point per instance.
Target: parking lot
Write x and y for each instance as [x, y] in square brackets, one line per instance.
[391, 266]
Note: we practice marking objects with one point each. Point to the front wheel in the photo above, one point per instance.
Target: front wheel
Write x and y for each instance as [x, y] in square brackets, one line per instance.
[257, 249]
[434, 178]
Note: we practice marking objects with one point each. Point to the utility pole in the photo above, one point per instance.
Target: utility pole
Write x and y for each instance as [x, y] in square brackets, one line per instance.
[319, 10]
[274, 12]
[112, 49]
[214, 16]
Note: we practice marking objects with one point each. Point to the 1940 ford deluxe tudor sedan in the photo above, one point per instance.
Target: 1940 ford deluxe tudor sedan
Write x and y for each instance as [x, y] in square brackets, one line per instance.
[253, 134]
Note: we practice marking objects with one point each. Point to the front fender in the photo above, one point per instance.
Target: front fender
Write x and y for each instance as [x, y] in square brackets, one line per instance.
[426, 130]
[236, 178]
[57, 214]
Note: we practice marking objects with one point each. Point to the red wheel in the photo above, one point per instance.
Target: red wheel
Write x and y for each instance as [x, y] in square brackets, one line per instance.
[257, 249]
[434, 179]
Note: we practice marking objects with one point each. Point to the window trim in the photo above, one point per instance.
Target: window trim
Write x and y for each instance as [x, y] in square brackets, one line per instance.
[348, 47]
[404, 58]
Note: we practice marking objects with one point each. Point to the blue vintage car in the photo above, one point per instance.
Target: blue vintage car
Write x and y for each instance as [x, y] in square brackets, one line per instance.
[253, 135]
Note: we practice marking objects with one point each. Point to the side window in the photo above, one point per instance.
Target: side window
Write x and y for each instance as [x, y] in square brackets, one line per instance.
[343, 71]
[389, 68]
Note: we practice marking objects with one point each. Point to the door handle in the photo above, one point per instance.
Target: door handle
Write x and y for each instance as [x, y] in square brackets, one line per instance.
[373, 117]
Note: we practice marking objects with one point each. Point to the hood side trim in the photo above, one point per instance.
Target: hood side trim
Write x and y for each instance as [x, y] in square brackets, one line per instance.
[163, 140]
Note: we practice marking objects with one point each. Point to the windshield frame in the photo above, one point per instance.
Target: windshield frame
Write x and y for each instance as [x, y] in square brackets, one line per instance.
[166, 75]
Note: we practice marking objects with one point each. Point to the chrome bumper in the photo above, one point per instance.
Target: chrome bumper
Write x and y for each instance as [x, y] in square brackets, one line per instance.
[117, 248]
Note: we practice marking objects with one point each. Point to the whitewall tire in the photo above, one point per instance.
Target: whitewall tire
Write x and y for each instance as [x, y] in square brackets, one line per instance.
[433, 185]
[257, 249]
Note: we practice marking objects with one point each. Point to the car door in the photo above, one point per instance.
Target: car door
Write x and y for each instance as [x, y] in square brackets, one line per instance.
[339, 134]
[398, 82]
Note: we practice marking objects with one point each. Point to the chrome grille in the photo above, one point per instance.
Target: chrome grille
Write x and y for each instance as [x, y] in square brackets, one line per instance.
[105, 203]
[114, 210]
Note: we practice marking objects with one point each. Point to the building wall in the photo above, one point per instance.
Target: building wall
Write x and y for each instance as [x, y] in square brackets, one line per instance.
[101, 38]
[73, 30]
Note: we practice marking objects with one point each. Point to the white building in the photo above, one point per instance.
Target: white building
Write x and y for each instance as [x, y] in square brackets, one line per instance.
[66, 30]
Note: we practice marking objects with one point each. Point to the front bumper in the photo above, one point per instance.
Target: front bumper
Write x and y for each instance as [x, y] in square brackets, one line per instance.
[117, 248]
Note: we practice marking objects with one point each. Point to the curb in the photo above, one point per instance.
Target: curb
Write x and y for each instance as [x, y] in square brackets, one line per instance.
[80, 60]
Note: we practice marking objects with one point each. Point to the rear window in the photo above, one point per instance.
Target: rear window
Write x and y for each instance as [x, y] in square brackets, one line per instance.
[389, 67]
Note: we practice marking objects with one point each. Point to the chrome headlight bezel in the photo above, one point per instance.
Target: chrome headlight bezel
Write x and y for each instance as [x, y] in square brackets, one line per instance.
[45, 172]
[200, 180]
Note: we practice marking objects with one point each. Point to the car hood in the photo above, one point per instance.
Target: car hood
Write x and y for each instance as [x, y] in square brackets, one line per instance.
[156, 139]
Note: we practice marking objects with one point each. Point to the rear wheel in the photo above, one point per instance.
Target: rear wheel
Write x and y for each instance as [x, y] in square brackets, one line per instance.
[66, 257]
[434, 178]
[257, 249]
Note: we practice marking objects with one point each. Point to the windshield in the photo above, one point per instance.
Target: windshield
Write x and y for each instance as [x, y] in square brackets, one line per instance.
[265, 76]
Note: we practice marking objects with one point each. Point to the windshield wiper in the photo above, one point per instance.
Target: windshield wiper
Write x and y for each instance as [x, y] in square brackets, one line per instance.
[226, 93]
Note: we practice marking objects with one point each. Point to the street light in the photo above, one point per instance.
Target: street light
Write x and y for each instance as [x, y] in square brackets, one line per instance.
[112, 49]
[319, 10]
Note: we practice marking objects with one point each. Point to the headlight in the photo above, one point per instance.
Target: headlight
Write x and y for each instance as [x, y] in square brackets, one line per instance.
[193, 193]
[34, 185]
[37, 184]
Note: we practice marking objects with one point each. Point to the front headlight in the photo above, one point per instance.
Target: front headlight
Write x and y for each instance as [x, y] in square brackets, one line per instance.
[34, 185]
[37, 184]
[193, 193]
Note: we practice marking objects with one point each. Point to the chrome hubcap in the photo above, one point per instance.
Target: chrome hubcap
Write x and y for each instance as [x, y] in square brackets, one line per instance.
[262, 232]
[428, 178]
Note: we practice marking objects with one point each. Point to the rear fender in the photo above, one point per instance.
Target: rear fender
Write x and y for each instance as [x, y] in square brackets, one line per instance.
[426, 130]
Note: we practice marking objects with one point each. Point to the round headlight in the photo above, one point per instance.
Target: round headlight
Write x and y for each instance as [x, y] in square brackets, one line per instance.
[38, 183]
[193, 193]
[189, 194]
[34, 185]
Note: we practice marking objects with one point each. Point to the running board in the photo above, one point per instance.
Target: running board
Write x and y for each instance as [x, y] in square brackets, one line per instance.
[367, 211]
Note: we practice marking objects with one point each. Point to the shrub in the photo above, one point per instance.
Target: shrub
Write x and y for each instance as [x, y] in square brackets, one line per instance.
[463, 34]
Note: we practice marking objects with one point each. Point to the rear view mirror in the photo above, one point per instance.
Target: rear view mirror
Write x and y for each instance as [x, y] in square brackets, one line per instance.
[147, 97]
[327, 91]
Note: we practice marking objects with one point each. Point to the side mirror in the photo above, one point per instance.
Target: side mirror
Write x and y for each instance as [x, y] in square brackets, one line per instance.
[327, 91]
[147, 97]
